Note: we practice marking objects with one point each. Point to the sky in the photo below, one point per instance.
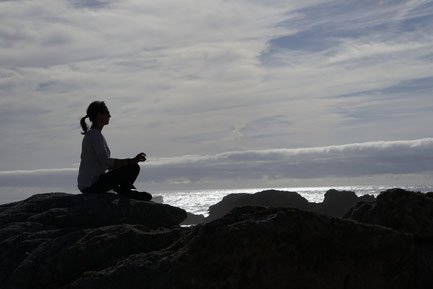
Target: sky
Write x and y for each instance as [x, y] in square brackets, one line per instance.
[220, 93]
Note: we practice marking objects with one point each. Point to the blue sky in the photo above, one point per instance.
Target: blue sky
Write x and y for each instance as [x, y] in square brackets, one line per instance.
[188, 79]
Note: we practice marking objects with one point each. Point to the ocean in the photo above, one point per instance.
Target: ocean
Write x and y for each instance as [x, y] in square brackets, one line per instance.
[199, 201]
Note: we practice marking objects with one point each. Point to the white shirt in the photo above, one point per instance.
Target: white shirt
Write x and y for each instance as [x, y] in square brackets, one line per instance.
[95, 159]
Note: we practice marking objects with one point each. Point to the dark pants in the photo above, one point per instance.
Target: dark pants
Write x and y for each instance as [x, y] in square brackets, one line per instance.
[120, 180]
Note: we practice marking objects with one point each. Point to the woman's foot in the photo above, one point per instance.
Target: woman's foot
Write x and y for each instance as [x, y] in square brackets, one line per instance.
[136, 195]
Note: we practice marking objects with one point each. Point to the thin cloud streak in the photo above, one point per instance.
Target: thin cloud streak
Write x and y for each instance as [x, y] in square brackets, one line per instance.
[353, 160]
[360, 160]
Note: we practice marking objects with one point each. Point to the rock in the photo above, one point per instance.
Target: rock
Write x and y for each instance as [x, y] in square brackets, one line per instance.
[254, 247]
[268, 198]
[52, 239]
[193, 219]
[65, 258]
[90, 210]
[336, 203]
[399, 209]
[366, 198]
[429, 194]
[158, 199]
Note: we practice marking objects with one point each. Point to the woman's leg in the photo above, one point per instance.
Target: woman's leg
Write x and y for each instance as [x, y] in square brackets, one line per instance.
[120, 179]
[124, 176]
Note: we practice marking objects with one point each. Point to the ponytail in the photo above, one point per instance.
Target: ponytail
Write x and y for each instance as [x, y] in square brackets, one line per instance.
[84, 125]
[92, 111]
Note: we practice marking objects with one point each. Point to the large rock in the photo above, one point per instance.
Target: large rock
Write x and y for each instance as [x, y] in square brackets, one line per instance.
[52, 239]
[256, 247]
[336, 203]
[193, 219]
[267, 198]
[89, 210]
[399, 209]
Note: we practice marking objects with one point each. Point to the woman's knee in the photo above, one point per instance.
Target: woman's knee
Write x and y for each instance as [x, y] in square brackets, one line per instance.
[134, 169]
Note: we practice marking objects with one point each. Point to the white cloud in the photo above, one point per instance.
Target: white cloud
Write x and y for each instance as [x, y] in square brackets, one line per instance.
[380, 161]
[353, 51]
[353, 160]
[203, 77]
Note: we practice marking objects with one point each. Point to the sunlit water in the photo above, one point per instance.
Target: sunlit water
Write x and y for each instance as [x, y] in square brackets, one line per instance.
[199, 201]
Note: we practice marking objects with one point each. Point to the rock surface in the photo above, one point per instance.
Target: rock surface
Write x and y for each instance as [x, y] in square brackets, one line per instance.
[402, 210]
[100, 241]
[255, 247]
[91, 210]
[51, 239]
[336, 203]
[193, 219]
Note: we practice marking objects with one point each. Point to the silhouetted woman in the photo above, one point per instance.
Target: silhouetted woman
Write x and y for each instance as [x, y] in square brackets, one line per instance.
[93, 176]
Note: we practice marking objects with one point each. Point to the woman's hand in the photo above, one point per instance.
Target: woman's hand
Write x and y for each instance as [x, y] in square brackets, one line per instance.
[141, 157]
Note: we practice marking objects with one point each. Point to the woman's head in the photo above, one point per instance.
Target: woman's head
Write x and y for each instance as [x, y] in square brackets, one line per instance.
[96, 112]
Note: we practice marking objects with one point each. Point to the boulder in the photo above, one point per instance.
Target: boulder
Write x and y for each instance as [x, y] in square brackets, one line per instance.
[399, 209]
[51, 239]
[256, 247]
[336, 203]
[63, 210]
[158, 199]
[193, 219]
[267, 198]
[70, 254]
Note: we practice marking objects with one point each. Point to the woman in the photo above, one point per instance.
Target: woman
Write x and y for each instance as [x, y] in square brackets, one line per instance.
[95, 160]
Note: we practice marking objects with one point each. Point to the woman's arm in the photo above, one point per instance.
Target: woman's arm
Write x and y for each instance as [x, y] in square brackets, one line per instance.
[121, 162]
[141, 157]
[103, 154]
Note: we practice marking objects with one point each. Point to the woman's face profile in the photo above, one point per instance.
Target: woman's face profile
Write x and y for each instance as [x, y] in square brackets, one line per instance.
[104, 117]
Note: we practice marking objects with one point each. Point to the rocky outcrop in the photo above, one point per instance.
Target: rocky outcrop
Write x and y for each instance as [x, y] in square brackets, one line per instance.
[193, 219]
[268, 198]
[402, 210]
[256, 247]
[52, 239]
[336, 203]
[55, 241]
[89, 210]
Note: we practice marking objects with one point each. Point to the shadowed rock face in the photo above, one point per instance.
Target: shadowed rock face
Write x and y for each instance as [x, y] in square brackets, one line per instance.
[52, 239]
[55, 241]
[256, 247]
[402, 210]
[92, 210]
[336, 203]
[268, 198]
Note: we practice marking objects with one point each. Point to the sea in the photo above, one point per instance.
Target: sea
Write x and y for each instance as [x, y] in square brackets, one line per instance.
[199, 201]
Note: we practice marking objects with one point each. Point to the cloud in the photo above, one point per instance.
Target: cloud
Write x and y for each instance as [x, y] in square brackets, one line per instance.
[370, 160]
[353, 160]
[215, 76]
[45, 178]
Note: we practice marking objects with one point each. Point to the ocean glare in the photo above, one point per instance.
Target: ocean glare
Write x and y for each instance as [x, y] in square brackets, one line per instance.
[199, 201]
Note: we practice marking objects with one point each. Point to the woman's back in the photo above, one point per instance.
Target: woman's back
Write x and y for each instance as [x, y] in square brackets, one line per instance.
[95, 158]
